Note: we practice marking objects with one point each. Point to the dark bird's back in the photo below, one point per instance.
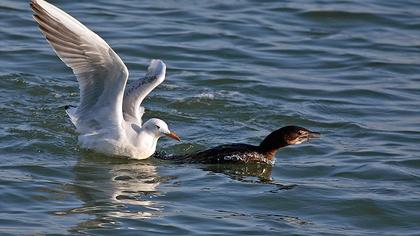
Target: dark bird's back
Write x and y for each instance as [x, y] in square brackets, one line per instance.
[229, 153]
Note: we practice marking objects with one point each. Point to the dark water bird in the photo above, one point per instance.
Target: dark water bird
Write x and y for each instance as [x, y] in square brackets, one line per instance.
[246, 153]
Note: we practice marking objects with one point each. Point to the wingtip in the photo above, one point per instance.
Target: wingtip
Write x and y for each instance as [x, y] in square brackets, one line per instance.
[38, 6]
[37, 1]
[32, 3]
[35, 6]
[155, 63]
[156, 67]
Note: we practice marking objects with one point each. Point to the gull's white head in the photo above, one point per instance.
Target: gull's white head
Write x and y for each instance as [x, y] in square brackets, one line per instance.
[159, 128]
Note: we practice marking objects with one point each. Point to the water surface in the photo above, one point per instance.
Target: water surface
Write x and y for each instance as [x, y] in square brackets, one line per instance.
[236, 71]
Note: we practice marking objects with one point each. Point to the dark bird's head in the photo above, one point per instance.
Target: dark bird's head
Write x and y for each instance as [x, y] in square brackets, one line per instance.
[288, 135]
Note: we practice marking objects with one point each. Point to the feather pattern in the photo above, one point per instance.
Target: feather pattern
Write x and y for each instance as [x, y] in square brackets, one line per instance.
[137, 90]
[101, 74]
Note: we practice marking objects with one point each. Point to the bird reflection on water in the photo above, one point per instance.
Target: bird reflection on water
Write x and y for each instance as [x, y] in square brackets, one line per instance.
[112, 188]
[119, 188]
[251, 173]
[244, 172]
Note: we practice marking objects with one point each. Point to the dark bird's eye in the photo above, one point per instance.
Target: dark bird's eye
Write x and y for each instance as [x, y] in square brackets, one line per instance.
[158, 126]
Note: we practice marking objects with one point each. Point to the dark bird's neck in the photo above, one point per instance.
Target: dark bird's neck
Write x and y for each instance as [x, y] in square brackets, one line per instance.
[272, 143]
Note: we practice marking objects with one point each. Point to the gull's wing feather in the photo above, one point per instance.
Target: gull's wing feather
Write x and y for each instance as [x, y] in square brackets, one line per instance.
[137, 90]
[101, 74]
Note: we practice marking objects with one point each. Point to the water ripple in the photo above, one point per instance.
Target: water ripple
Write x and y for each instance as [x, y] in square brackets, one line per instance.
[236, 71]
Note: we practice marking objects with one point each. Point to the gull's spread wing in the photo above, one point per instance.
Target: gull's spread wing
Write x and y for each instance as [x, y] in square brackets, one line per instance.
[137, 90]
[101, 74]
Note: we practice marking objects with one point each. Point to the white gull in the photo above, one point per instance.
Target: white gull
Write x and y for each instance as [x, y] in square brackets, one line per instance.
[109, 116]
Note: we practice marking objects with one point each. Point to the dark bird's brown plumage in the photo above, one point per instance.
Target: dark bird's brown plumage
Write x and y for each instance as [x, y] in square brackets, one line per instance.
[246, 153]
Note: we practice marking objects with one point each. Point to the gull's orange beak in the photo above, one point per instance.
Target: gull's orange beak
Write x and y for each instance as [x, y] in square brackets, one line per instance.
[174, 136]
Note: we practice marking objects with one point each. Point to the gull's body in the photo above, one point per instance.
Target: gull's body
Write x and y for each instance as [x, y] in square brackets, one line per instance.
[109, 116]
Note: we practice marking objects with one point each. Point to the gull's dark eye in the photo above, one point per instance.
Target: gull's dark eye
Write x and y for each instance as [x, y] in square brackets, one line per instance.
[157, 126]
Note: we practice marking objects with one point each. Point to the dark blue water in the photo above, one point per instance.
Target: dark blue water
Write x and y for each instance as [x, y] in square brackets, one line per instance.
[236, 71]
